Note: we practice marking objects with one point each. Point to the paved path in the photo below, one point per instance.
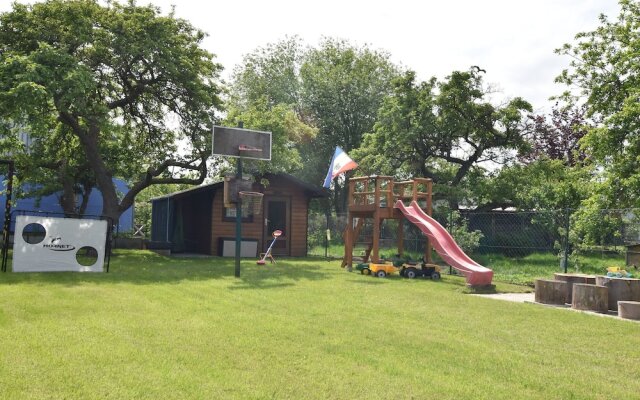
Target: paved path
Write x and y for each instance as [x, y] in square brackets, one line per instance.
[517, 297]
[530, 298]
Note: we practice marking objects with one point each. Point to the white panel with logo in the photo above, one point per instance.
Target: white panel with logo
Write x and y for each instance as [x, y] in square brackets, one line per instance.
[47, 244]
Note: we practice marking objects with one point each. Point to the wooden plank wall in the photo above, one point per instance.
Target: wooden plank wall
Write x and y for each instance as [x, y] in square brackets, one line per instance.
[254, 230]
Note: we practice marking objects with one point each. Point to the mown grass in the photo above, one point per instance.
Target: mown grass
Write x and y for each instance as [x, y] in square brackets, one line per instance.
[165, 328]
[522, 270]
[525, 270]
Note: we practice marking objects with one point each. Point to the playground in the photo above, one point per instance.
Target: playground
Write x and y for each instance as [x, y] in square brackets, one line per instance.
[156, 326]
[160, 327]
[195, 327]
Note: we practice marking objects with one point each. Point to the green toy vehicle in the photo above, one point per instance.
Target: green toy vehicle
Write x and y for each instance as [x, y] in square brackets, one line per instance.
[363, 268]
[412, 271]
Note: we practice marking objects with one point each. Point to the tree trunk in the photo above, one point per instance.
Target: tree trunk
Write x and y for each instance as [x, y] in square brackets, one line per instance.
[104, 179]
[68, 199]
[626, 289]
[551, 291]
[590, 298]
[629, 310]
[571, 279]
[85, 199]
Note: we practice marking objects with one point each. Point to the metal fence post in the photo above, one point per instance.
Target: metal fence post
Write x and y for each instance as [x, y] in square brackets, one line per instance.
[567, 225]
[451, 232]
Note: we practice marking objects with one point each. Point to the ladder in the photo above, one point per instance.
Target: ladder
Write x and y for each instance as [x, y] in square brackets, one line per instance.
[356, 233]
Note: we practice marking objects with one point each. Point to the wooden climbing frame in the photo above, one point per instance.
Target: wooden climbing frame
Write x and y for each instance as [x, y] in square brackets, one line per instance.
[373, 197]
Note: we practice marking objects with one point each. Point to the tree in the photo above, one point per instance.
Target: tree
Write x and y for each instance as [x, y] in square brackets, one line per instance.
[118, 86]
[270, 75]
[442, 130]
[557, 136]
[335, 89]
[265, 96]
[287, 132]
[605, 73]
[542, 184]
[60, 170]
[342, 88]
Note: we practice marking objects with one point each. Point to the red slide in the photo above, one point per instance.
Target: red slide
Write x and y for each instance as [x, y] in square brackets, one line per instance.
[446, 246]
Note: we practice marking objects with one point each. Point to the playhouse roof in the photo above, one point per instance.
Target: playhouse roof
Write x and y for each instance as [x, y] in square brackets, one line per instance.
[311, 190]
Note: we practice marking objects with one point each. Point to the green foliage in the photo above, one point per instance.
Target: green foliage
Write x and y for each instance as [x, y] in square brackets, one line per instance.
[459, 228]
[591, 225]
[287, 130]
[342, 88]
[269, 74]
[334, 89]
[526, 269]
[606, 72]
[109, 90]
[142, 206]
[543, 184]
[441, 130]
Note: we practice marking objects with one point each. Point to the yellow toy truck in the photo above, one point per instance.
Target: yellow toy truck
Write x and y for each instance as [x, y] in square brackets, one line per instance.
[379, 270]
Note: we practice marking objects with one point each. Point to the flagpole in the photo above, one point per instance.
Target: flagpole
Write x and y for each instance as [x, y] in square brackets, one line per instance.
[340, 164]
[327, 215]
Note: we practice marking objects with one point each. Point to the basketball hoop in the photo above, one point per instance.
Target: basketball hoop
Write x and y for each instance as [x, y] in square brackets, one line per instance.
[244, 147]
[253, 200]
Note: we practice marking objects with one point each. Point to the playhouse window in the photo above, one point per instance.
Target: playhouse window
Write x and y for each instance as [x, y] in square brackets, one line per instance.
[229, 214]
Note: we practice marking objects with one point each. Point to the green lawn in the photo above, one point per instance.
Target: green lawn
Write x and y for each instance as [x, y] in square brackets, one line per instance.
[523, 270]
[164, 328]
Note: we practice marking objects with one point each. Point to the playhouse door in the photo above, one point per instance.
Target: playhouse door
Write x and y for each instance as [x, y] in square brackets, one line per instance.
[277, 214]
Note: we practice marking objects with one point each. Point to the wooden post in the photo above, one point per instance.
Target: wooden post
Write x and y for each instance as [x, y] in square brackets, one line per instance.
[401, 237]
[375, 252]
[348, 242]
[348, 229]
[390, 188]
[427, 248]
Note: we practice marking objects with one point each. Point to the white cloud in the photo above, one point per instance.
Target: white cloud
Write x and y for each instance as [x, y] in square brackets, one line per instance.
[512, 39]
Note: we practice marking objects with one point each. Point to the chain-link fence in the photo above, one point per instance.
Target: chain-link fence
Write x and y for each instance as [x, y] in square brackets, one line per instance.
[326, 236]
[563, 235]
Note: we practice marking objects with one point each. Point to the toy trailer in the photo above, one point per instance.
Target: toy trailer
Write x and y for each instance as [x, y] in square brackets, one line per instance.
[379, 270]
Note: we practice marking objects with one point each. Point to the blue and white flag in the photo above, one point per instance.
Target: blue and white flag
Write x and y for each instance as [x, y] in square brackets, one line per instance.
[340, 163]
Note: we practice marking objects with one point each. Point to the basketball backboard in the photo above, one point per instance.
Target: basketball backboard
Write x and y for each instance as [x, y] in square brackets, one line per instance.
[243, 143]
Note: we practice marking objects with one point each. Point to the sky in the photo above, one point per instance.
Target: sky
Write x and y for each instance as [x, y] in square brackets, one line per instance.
[513, 40]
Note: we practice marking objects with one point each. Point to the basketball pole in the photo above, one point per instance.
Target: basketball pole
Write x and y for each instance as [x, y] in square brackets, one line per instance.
[238, 212]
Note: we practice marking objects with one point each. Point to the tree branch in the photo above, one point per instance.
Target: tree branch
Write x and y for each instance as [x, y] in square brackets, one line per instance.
[150, 178]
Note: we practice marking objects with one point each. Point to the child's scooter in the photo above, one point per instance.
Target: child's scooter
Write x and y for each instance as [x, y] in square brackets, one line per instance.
[276, 234]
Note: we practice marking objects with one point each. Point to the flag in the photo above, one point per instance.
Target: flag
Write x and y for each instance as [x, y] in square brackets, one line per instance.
[340, 163]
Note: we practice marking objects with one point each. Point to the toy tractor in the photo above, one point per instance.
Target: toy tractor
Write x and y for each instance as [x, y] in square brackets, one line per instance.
[412, 271]
[363, 268]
